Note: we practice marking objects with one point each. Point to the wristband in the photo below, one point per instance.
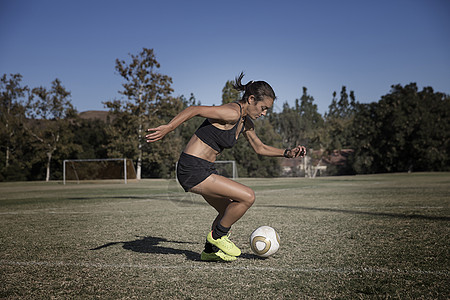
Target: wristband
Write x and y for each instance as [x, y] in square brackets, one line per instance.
[285, 154]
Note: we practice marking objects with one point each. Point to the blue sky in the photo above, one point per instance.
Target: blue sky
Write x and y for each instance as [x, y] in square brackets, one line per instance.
[322, 45]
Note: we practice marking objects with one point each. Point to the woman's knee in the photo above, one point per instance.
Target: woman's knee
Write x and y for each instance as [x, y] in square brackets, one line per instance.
[249, 198]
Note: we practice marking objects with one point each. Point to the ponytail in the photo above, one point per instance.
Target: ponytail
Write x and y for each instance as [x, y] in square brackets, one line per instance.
[259, 89]
[238, 84]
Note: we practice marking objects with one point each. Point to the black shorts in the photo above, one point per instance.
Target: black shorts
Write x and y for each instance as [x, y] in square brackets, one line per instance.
[192, 170]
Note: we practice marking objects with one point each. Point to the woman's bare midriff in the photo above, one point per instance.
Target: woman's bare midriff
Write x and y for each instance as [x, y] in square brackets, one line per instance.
[196, 147]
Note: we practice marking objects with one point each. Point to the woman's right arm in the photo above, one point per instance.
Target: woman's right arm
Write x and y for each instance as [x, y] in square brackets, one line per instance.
[225, 113]
[160, 131]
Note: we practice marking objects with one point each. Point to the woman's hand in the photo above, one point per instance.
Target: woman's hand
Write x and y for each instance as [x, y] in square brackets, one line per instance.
[158, 133]
[296, 152]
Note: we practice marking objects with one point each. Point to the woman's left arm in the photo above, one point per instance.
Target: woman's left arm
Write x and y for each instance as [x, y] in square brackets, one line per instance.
[262, 149]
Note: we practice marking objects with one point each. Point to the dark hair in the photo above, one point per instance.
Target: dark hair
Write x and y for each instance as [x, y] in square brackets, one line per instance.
[259, 89]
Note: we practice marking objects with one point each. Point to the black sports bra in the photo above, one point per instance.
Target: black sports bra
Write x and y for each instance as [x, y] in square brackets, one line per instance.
[216, 138]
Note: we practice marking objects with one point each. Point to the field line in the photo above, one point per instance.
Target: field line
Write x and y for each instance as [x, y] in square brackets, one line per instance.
[220, 266]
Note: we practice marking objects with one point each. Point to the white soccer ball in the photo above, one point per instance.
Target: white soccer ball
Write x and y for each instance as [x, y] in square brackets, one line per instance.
[264, 241]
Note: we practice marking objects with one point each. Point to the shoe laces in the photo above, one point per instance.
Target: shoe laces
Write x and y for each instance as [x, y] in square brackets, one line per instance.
[226, 238]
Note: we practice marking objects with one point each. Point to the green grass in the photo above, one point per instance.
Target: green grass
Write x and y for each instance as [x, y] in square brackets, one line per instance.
[357, 237]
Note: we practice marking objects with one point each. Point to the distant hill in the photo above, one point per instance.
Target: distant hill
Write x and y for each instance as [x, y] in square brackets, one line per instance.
[94, 114]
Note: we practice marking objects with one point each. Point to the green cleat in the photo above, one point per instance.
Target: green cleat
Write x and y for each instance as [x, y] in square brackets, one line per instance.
[224, 244]
[217, 256]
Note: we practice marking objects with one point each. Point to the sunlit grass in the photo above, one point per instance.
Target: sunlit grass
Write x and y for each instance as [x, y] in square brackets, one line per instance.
[376, 236]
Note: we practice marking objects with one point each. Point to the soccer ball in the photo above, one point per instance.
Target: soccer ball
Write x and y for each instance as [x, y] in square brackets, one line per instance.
[264, 241]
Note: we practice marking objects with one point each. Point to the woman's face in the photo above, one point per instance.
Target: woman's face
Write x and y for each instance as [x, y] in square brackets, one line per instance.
[257, 109]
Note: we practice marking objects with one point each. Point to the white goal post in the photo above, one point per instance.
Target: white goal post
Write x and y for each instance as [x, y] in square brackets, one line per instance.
[234, 173]
[94, 169]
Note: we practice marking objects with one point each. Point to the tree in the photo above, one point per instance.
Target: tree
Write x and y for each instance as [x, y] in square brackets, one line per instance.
[229, 93]
[364, 138]
[148, 104]
[91, 136]
[50, 113]
[409, 131]
[406, 130]
[431, 137]
[311, 122]
[300, 124]
[287, 124]
[12, 114]
[339, 120]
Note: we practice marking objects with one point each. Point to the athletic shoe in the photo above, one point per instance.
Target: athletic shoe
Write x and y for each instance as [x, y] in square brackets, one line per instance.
[217, 256]
[224, 244]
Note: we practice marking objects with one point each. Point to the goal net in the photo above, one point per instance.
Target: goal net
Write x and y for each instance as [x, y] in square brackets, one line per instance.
[98, 169]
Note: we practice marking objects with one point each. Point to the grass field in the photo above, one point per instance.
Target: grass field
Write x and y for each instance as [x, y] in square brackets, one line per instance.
[358, 237]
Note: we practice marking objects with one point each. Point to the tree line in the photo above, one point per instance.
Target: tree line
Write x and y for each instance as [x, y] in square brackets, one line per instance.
[405, 130]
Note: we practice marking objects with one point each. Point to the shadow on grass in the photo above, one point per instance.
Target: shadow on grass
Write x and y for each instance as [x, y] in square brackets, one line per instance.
[110, 197]
[180, 199]
[356, 212]
[149, 244]
[252, 256]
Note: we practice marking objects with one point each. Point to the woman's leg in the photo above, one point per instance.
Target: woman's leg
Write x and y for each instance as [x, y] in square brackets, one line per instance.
[230, 198]
[220, 204]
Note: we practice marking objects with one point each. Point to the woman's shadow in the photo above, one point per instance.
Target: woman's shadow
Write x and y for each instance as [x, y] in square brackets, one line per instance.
[150, 244]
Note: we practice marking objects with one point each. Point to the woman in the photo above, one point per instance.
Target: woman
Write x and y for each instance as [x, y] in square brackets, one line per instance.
[220, 130]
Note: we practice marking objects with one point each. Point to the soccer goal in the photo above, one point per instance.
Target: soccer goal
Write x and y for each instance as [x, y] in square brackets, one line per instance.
[97, 169]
